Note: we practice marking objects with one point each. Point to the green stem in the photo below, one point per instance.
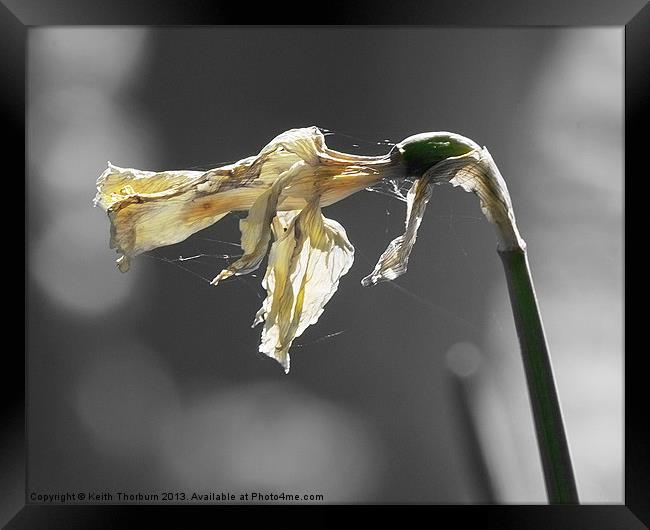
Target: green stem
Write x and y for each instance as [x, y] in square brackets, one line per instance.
[547, 415]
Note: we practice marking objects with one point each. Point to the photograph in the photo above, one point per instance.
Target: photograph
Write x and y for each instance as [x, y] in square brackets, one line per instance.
[324, 265]
[197, 146]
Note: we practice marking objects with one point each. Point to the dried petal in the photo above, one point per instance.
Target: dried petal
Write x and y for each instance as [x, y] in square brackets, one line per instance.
[482, 177]
[256, 228]
[393, 262]
[152, 209]
[148, 210]
[309, 256]
[474, 171]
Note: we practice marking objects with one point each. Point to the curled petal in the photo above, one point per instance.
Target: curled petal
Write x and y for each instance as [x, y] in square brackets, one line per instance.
[305, 143]
[256, 228]
[483, 178]
[393, 262]
[308, 257]
[476, 172]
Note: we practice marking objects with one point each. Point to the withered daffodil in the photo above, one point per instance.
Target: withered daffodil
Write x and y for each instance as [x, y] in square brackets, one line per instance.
[283, 189]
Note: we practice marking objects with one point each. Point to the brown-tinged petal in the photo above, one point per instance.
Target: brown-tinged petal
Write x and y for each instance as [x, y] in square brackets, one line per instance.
[152, 209]
[148, 210]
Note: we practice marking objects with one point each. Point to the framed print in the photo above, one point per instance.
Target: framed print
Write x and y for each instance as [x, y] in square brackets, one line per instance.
[279, 174]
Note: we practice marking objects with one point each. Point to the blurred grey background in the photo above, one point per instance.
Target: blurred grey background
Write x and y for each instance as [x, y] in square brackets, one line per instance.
[151, 381]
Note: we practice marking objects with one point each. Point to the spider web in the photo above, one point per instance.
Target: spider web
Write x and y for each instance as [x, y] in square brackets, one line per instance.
[205, 254]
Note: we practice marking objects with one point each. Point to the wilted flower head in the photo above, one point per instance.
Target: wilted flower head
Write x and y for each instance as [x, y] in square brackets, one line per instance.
[283, 189]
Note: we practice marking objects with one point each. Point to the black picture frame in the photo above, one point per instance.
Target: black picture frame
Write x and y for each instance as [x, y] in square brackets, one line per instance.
[17, 16]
